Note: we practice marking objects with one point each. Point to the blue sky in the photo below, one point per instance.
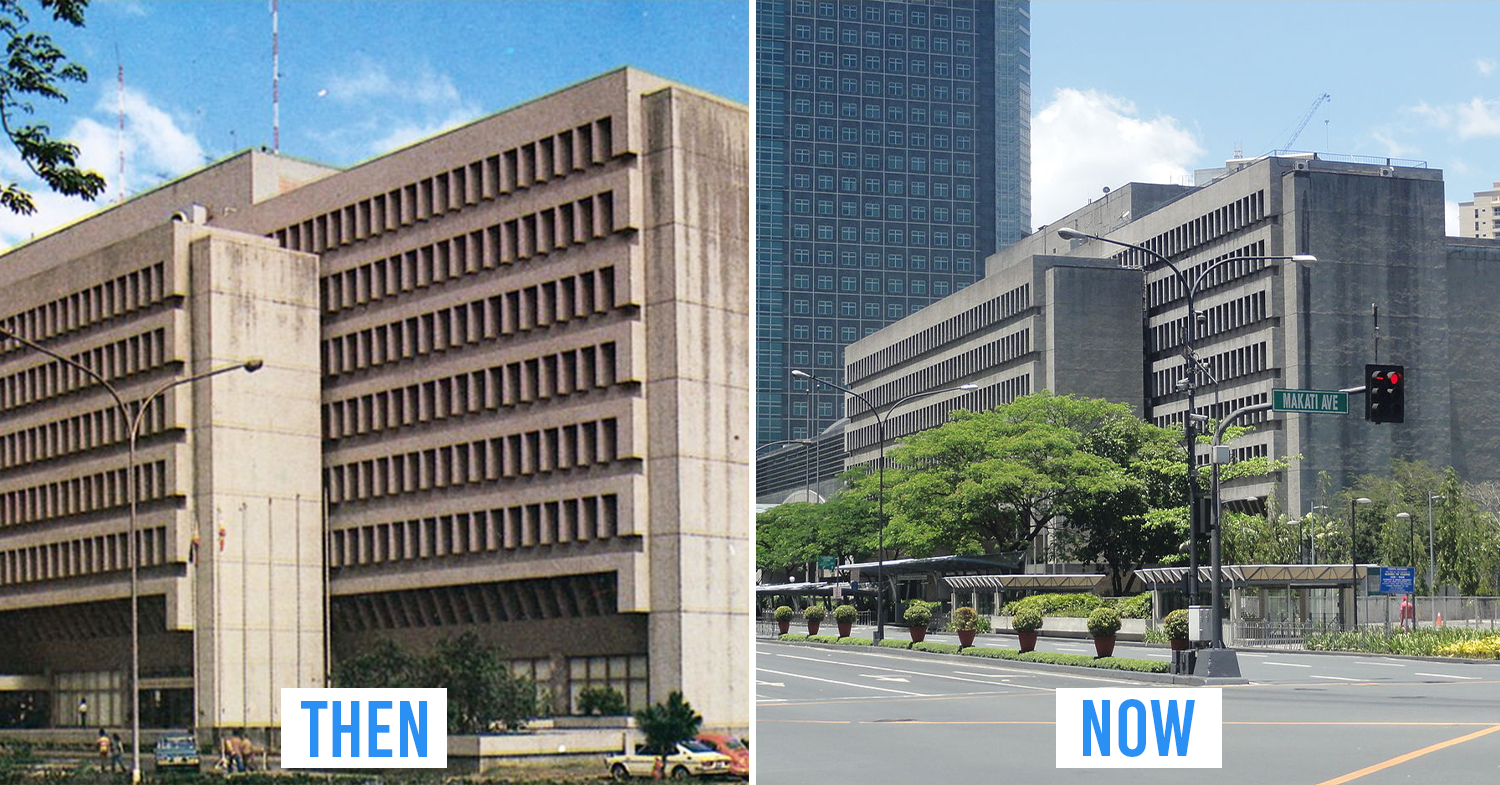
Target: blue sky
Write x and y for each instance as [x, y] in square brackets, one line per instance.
[358, 77]
[1151, 90]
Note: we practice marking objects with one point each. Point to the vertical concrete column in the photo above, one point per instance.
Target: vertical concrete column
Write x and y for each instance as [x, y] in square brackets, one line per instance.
[695, 172]
[259, 572]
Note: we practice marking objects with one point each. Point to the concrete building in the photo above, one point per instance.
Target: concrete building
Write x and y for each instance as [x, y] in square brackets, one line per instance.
[516, 350]
[893, 155]
[1082, 317]
[1480, 218]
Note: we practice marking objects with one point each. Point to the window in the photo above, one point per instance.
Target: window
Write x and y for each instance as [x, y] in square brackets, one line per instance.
[825, 307]
[801, 281]
[825, 182]
[801, 307]
[825, 283]
[801, 232]
[895, 311]
[894, 286]
[872, 209]
[872, 285]
[800, 332]
[848, 259]
[825, 206]
[894, 261]
[848, 234]
[801, 206]
[825, 332]
[894, 211]
[825, 232]
[849, 308]
[825, 359]
[799, 357]
[825, 59]
[847, 334]
[918, 262]
[872, 310]
[802, 31]
[940, 288]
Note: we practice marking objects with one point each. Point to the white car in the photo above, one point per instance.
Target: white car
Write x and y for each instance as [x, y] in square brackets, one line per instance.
[691, 759]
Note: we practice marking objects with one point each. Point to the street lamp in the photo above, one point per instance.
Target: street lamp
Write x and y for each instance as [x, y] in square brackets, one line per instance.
[1431, 549]
[1189, 385]
[880, 471]
[1312, 541]
[133, 423]
[1354, 566]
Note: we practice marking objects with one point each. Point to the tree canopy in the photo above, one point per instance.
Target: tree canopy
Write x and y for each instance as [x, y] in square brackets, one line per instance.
[36, 68]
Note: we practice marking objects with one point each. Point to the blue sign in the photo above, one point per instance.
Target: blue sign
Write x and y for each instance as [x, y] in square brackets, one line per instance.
[1397, 580]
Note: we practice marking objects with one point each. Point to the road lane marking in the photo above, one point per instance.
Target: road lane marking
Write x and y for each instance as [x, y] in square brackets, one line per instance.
[1447, 676]
[880, 677]
[944, 675]
[1286, 664]
[760, 683]
[1339, 678]
[842, 683]
[1381, 664]
[1248, 654]
[993, 675]
[1399, 759]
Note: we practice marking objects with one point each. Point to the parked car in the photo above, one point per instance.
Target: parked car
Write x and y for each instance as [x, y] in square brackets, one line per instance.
[177, 750]
[739, 754]
[689, 759]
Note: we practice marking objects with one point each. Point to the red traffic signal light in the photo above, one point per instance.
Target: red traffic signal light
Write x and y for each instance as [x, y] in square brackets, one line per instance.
[1385, 393]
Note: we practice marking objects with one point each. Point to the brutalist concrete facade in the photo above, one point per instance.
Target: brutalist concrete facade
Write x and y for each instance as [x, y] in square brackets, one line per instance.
[1088, 329]
[528, 394]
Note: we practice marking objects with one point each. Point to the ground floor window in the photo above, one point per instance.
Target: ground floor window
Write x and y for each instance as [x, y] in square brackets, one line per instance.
[625, 674]
[101, 693]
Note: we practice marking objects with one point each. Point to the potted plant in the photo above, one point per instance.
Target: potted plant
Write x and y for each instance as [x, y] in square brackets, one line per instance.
[1103, 623]
[1176, 627]
[966, 623]
[814, 615]
[1026, 622]
[784, 618]
[845, 616]
[917, 616]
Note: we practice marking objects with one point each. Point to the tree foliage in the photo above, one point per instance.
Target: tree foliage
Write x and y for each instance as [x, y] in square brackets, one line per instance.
[35, 68]
[481, 689]
[665, 724]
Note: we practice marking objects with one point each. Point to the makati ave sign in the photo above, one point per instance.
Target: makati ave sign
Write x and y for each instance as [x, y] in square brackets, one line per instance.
[1310, 401]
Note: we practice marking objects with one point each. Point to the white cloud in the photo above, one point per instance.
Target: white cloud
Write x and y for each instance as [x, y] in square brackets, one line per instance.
[1450, 218]
[1393, 149]
[393, 109]
[1478, 117]
[1484, 66]
[157, 148]
[1085, 140]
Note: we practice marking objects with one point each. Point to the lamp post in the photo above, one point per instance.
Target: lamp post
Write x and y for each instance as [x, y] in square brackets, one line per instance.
[1189, 385]
[1312, 540]
[1431, 548]
[1354, 566]
[880, 480]
[1301, 536]
[133, 421]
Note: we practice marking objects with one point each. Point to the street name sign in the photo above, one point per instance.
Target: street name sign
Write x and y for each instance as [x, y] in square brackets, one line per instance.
[1310, 401]
[827, 562]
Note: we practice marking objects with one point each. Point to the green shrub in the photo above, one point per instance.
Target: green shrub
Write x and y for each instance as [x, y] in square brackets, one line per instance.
[784, 613]
[1026, 620]
[814, 612]
[845, 613]
[966, 618]
[1423, 642]
[1176, 625]
[1135, 607]
[1079, 660]
[602, 700]
[892, 643]
[1104, 622]
[853, 641]
[918, 615]
[1155, 635]
[822, 639]
[1056, 604]
[936, 648]
[793, 637]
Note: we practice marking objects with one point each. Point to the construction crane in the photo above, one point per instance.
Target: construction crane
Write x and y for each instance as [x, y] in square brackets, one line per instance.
[1305, 119]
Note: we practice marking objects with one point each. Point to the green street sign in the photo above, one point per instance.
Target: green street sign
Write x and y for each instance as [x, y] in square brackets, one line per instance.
[827, 562]
[1310, 401]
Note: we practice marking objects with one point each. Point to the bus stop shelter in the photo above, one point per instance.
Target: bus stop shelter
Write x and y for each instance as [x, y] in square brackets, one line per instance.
[1267, 603]
[989, 593]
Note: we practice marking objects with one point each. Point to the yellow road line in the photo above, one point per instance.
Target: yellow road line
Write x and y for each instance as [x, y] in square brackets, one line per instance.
[1400, 759]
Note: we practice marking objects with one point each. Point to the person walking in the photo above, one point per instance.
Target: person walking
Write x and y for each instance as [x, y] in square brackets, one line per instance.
[102, 743]
[116, 753]
[1408, 613]
[83, 712]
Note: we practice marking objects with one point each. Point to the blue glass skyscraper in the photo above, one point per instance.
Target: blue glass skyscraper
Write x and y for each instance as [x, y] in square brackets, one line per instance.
[892, 156]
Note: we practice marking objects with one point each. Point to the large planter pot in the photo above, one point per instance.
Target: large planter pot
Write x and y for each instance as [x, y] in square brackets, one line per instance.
[845, 628]
[1027, 641]
[966, 638]
[918, 634]
[812, 627]
[785, 625]
[1179, 644]
[1104, 645]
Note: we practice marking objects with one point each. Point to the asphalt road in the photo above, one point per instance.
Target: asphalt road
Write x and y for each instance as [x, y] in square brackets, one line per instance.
[864, 715]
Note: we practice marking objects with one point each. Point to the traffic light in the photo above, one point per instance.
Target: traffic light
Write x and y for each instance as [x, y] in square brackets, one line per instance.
[1385, 393]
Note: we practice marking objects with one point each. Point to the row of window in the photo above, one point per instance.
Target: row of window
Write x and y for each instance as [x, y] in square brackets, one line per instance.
[488, 389]
[1221, 318]
[539, 306]
[574, 446]
[561, 597]
[894, 112]
[849, 158]
[892, 137]
[1204, 229]
[112, 361]
[895, 259]
[984, 315]
[850, 308]
[934, 414]
[874, 63]
[917, 238]
[76, 434]
[517, 168]
[934, 376]
[895, 13]
[1225, 268]
[917, 90]
[81, 495]
[1222, 367]
[556, 522]
[88, 556]
[123, 295]
[542, 232]
[894, 284]
[893, 39]
[1219, 411]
